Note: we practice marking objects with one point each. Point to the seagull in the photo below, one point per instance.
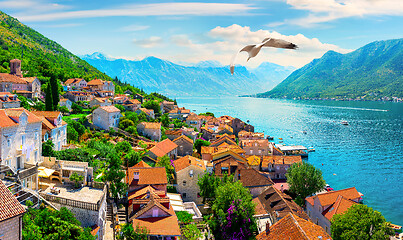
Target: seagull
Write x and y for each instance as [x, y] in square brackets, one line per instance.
[254, 49]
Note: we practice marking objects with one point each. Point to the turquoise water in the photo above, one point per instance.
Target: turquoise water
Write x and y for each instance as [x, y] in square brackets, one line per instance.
[367, 154]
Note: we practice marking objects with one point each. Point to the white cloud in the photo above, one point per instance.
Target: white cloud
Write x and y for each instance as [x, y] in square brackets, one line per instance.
[148, 42]
[154, 9]
[226, 41]
[133, 28]
[32, 6]
[321, 11]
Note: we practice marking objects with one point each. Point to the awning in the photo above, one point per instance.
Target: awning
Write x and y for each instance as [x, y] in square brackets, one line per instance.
[45, 172]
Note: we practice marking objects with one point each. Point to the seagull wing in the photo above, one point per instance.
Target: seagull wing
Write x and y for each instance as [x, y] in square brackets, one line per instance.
[278, 43]
[247, 48]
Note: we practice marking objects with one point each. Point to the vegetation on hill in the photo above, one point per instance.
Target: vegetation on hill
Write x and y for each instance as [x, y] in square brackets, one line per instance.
[371, 72]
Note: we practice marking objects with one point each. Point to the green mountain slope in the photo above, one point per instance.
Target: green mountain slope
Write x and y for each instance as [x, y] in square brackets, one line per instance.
[370, 72]
[40, 54]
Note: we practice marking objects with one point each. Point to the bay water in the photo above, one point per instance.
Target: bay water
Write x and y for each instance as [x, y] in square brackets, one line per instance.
[366, 154]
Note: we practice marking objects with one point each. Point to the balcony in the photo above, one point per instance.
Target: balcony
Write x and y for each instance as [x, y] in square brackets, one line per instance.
[32, 170]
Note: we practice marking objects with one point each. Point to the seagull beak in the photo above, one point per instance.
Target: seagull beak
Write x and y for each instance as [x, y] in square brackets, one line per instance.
[248, 59]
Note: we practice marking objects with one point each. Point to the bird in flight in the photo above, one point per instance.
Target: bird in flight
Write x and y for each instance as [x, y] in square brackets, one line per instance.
[254, 49]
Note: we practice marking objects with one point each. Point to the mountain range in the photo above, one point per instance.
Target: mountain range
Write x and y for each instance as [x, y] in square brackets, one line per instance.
[370, 72]
[207, 78]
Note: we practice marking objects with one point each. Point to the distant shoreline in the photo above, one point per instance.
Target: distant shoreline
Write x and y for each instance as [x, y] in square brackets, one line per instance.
[394, 99]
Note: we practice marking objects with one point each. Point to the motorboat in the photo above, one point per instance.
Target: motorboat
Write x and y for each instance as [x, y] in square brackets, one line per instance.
[311, 149]
[344, 122]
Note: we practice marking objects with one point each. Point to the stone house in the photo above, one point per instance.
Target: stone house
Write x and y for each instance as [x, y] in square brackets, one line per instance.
[74, 84]
[194, 121]
[11, 213]
[244, 135]
[322, 207]
[140, 177]
[188, 170]
[21, 145]
[165, 147]
[148, 112]
[9, 100]
[185, 145]
[106, 117]
[138, 97]
[278, 204]
[276, 166]
[65, 102]
[151, 130]
[295, 228]
[228, 163]
[259, 147]
[34, 86]
[207, 133]
[53, 128]
[238, 125]
[173, 134]
[254, 181]
[100, 102]
[101, 85]
[104, 94]
[120, 99]
[167, 106]
[76, 96]
[189, 132]
[131, 105]
[179, 113]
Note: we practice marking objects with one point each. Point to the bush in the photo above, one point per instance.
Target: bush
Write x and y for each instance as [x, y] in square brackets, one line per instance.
[184, 217]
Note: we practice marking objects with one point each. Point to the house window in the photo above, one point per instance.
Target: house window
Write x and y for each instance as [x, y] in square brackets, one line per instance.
[36, 136]
[9, 142]
[224, 170]
[326, 229]
[23, 140]
[317, 221]
[191, 173]
[260, 151]
[184, 183]
[66, 173]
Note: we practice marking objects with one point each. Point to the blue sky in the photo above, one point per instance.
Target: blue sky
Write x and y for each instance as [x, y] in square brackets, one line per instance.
[189, 31]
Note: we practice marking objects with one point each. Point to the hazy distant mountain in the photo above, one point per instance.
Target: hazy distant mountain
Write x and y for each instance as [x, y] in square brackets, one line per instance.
[204, 78]
[372, 71]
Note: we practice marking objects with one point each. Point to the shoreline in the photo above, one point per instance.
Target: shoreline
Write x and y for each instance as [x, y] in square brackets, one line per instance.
[394, 100]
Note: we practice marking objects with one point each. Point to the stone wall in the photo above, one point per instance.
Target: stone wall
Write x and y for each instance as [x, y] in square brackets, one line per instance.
[191, 189]
[10, 229]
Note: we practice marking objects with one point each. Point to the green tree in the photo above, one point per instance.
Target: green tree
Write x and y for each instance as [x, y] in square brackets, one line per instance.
[166, 162]
[120, 107]
[48, 98]
[199, 143]
[304, 180]
[132, 130]
[125, 123]
[75, 108]
[233, 212]
[55, 91]
[76, 178]
[123, 147]
[63, 109]
[208, 184]
[184, 217]
[128, 233]
[47, 148]
[52, 224]
[360, 222]
[164, 119]
[115, 175]
[72, 134]
[191, 232]
[132, 158]
[154, 105]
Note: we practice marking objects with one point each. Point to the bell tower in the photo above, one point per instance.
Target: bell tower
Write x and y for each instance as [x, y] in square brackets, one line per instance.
[15, 67]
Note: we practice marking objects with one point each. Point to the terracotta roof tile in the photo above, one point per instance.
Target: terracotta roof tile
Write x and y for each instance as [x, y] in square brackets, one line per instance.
[164, 147]
[339, 207]
[253, 160]
[251, 143]
[292, 227]
[6, 77]
[9, 205]
[147, 176]
[252, 178]
[110, 109]
[151, 125]
[276, 159]
[186, 161]
[183, 137]
[279, 204]
[329, 198]
[259, 208]
[95, 82]
[47, 114]
[141, 164]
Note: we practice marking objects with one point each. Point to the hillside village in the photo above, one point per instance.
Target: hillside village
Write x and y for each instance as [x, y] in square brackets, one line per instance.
[116, 160]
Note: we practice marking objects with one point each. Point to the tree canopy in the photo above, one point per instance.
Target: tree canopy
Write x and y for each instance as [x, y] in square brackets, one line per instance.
[360, 222]
[304, 180]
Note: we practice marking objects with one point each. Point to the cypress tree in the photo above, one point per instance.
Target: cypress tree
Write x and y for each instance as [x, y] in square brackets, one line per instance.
[48, 98]
[55, 92]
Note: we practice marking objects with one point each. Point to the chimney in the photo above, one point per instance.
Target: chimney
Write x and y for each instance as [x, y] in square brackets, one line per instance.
[15, 67]
[267, 227]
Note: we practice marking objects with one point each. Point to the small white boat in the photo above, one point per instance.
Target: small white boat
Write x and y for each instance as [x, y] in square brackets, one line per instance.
[344, 122]
[311, 149]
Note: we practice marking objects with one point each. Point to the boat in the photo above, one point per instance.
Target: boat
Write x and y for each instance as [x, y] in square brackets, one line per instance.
[344, 122]
[395, 227]
[311, 149]
[270, 138]
[304, 132]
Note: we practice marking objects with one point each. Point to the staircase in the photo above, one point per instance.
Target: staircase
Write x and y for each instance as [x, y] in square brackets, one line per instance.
[109, 212]
[122, 215]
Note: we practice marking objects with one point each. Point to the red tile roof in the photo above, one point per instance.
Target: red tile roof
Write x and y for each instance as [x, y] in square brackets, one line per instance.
[339, 207]
[95, 82]
[141, 164]
[252, 178]
[329, 198]
[110, 109]
[183, 137]
[147, 176]
[9, 205]
[6, 77]
[292, 227]
[151, 125]
[276, 159]
[10, 117]
[163, 148]
[186, 161]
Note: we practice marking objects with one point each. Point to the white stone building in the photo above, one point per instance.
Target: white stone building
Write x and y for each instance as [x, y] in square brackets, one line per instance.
[106, 117]
[53, 128]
